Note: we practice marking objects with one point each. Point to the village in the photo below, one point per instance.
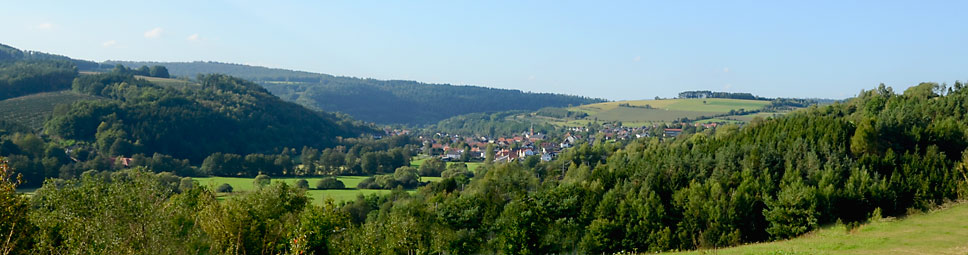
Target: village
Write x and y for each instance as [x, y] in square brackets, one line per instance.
[456, 147]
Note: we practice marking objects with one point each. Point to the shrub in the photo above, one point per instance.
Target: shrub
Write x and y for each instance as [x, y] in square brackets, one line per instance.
[302, 184]
[262, 180]
[330, 183]
[224, 188]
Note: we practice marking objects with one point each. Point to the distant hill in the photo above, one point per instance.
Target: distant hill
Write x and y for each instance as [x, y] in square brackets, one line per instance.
[380, 101]
[191, 121]
[120, 112]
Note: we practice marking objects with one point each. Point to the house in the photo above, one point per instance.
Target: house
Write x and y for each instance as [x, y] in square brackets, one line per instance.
[672, 132]
[546, 157]
[126, 162]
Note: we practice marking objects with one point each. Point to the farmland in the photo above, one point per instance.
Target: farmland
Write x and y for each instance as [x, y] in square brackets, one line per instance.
[644, 112]
[240, 184]
[938, 232]
[33, 110]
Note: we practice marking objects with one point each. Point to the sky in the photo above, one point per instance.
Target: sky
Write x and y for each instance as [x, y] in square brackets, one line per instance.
[616, 50]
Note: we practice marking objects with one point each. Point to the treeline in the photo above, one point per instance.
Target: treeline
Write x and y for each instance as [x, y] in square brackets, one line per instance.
[365, 156]
[380, 101]
[711, 94]
[561, 113]
[490, 124]
[153, 71]
[224, 114]
[24, 77]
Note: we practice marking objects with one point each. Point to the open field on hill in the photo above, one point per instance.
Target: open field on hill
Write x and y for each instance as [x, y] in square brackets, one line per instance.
[175, 83]
[240, 184]
[942, 231]
[647, 112]
[33, 110]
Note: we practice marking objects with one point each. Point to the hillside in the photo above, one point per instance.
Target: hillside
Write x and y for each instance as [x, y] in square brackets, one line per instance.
[220, 114]
[380, 101]
[941, 231]
[648, 112]
[32, 110]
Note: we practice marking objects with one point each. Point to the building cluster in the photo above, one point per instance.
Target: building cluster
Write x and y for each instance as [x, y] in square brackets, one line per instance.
[453, 147]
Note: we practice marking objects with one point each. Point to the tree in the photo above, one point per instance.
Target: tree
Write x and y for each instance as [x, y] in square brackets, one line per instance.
[158, 71]
[14, 226]
[432, 167]
[330, 183]
[261, 181]
[302, 184]
[224, 188]
[489, 154]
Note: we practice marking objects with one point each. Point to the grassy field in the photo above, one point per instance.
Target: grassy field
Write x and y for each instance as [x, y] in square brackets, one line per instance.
[943, 231]
[33, 110]
[416, 161]
[245, 184]
[646, 112]
[318, 196]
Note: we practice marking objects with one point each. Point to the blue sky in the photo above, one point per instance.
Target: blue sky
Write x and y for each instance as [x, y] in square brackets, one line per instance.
[614, 50]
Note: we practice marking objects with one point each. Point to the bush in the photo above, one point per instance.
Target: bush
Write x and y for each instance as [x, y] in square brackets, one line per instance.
[432, 167]
[186, 184]
[330, 183]
[224, 188]
[302, 184]
[262, 180]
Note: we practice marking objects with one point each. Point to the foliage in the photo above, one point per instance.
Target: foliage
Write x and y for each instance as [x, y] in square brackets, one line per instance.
[302, 184]
[256, 223]
[224, 188]
[15, 228]
[330, 183]
[224, 114]
[261, 181]
[380, 101]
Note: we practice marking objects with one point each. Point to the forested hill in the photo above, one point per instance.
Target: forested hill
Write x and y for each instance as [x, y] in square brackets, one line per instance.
[221, 114]
[380, 101]
[131, 115]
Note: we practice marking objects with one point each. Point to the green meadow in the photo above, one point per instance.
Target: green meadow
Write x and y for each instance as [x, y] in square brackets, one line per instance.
[646, 112]
[240, 184]
[942, 231]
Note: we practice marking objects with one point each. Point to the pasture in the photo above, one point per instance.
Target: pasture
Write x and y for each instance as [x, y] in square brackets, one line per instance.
[240, 184]
[942, 231]
[647, 112]
[32, 110]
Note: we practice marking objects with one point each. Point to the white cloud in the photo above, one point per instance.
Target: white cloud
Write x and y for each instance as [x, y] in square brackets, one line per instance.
[725, 69]
[154, 33]
[44, 26]
[193, 37]
[637, 58]
[109, 43]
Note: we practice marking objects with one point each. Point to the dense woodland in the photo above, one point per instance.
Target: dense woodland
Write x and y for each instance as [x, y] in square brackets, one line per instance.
[498, 124]
[880, 154]
[380, 101]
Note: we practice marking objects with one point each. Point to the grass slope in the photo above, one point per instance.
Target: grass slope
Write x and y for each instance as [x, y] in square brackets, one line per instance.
[32, 110]
[942, 231]
[643, 112]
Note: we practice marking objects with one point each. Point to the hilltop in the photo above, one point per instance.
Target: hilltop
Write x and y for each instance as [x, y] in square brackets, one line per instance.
[379, 101]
